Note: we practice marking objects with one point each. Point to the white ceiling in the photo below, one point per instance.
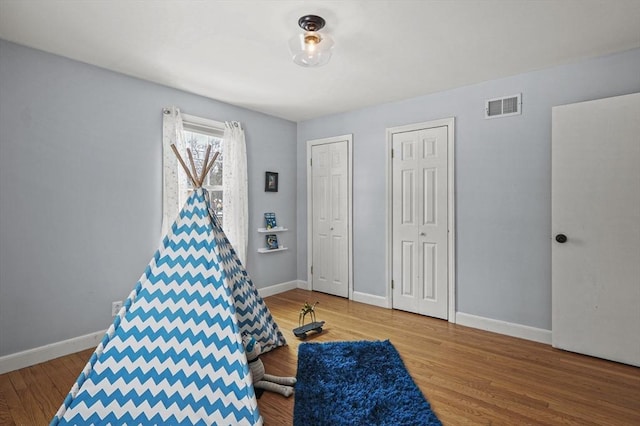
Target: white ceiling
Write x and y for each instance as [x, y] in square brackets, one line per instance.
[236, 51]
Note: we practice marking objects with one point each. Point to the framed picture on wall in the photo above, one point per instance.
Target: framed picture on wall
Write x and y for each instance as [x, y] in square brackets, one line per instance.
[270, 182]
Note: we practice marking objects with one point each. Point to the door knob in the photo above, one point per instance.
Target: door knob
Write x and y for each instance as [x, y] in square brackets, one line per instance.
[561, 238]
[422, 234]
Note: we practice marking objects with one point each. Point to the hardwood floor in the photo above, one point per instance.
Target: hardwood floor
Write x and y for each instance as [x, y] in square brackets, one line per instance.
[469, 376]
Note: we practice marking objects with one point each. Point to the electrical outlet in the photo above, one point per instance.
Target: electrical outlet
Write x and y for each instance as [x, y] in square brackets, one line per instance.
[115, 307]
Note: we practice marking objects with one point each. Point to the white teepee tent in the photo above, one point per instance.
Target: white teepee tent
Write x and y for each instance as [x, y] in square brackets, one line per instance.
[174, 353]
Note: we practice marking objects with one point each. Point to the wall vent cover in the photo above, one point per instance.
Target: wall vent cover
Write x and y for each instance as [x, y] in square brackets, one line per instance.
[503, 107]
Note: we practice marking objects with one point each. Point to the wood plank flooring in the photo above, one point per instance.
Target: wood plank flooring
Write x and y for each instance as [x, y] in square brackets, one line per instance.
[470, 377]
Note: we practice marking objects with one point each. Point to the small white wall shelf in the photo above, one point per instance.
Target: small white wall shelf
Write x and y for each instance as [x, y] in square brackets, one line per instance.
[276, 229]
[272, 231]
[266, 250]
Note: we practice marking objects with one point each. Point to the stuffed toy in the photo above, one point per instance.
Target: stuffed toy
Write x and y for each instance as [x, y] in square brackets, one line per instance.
[281, 385]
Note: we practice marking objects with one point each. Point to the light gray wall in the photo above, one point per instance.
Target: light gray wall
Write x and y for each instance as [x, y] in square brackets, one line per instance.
[80, 191]
[503, 183]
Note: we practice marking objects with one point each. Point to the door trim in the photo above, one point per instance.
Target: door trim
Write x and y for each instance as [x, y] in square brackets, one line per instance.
[451, 259]
[310, 143]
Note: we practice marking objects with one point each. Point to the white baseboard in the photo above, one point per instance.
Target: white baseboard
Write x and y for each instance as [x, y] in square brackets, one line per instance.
[48, 352]
[51, 351]
[370, 299]
[277, 288]
[303, 285]
[55, 350]
[356, 296]
[502, 327]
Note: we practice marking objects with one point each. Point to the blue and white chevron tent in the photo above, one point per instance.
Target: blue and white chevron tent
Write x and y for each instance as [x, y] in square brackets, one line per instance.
[174, 354]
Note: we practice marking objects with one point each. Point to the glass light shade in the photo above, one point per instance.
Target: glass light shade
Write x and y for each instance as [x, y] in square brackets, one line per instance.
[311, 49]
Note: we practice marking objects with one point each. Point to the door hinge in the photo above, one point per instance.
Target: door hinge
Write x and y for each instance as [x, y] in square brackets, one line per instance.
[392, 153]
[311, 162]
[392, 284]
[311, 269]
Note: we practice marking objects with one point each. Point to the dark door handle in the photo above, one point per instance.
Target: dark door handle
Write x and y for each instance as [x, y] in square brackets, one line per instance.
[561, 238]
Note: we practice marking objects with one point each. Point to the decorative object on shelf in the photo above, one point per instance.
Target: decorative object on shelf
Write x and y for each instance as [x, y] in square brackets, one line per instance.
[270, 220]
[270, 182]
[311, 49]
[302, 329]
[272, 241]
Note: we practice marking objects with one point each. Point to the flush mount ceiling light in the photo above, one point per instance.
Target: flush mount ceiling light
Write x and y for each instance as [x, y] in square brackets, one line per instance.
[311, 49]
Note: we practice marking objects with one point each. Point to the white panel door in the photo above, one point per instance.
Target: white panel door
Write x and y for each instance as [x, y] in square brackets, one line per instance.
[596, 228]
[330, 225]
[419, 221]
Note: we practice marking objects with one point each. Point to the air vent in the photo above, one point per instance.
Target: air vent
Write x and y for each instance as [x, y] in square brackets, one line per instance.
[503, 107]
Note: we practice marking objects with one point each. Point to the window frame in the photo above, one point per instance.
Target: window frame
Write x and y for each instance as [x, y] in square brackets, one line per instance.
[208, 127]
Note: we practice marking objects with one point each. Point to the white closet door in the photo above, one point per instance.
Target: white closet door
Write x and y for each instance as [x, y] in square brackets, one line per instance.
[330, 224]
[420, 222]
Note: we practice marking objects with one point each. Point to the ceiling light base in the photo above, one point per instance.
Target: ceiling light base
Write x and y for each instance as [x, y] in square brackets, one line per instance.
[311, 23]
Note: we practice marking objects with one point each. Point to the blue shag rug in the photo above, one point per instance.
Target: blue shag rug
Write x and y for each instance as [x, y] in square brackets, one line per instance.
[356, 383]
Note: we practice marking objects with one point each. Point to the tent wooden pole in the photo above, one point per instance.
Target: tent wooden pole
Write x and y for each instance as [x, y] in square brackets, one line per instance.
[184, 166]
[210, 165]
[193, 168]
[204, 165]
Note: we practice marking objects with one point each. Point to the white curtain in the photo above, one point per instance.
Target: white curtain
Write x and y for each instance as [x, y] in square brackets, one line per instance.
[175, 187]
[235, 196]
[235, 206]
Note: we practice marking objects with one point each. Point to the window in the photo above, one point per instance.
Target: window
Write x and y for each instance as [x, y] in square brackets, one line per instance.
[198, 134]
[227, 186]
